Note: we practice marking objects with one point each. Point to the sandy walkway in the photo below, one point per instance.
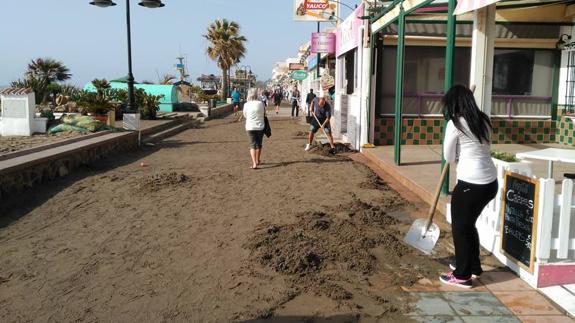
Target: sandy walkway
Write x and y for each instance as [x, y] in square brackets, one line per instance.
[198, 236]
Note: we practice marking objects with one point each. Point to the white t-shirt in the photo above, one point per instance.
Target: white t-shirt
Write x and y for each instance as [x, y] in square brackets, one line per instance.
[475, 165]
[254, 114]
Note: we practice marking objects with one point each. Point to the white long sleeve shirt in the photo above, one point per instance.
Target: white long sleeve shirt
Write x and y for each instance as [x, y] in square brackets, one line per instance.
[475, 165]
[254, 112]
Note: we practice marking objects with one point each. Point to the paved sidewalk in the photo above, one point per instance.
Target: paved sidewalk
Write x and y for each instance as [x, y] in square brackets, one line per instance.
[498, 295]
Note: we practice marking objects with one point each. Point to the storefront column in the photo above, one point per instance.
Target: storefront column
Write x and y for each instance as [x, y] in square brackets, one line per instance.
[449, 54]
[482, 52]
[399, 85]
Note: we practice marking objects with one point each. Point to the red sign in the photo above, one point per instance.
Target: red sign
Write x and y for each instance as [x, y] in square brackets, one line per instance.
[316, 5]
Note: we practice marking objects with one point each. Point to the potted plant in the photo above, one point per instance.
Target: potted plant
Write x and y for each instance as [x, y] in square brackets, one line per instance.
[508, 161]
[101, 102]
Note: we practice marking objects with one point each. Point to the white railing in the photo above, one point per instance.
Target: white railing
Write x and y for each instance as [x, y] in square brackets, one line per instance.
[556, 234]
[555, 242]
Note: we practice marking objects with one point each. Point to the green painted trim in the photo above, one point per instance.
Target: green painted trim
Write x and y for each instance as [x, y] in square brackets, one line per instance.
[405, 13]
[386, 10]
[449, 57]
[555, 86]
[470, 22]
[399, 87]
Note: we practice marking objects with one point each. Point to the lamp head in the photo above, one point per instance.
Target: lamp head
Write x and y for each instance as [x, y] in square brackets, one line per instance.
[151, 3]
[103, 3]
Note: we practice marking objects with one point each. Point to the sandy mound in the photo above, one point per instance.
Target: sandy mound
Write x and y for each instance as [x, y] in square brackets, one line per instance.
[322, 248]
[156, 182]
[301, 134]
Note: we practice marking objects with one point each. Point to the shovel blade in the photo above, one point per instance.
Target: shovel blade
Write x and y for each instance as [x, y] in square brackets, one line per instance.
[420, 239]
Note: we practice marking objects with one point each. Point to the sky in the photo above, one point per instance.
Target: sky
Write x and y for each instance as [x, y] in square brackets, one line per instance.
[91, 41]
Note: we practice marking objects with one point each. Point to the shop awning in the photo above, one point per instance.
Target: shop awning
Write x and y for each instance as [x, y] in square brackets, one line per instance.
[464, 6]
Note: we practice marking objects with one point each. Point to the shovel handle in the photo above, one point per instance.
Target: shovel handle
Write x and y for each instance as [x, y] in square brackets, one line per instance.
[319, 123]
[436, 196]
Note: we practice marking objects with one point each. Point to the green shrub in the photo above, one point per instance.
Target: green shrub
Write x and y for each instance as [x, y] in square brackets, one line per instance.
[506, 157]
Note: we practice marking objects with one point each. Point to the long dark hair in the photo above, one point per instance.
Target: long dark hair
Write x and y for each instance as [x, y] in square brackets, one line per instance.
[458, 103]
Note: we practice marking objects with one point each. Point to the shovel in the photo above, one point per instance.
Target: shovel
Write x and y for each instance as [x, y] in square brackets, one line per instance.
[423, 234]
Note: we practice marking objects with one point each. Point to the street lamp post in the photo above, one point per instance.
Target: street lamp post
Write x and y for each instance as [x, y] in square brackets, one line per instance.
[132, 105]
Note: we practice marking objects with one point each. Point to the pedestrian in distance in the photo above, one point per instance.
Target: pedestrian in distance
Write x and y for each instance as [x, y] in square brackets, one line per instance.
[467, 142]
[254, 113]
[277, 96]
[308, 100]
[321, 110]
[264, 98]
[236, 97]
[295, 97]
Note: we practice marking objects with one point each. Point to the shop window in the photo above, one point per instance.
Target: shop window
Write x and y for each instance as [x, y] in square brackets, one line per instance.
[350, 72]
[514, 72]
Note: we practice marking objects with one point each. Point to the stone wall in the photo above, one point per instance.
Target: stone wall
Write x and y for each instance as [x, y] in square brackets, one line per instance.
[16, 179]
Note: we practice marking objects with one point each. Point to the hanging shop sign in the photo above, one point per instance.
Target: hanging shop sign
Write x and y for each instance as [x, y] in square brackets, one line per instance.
[323, 43]
[315, 10]
[348, 32]
[311, 62]
[299, 75]
[296, 66]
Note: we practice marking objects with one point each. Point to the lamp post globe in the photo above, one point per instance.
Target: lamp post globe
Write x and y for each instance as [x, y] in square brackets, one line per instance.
[103, 3]
[151, 3]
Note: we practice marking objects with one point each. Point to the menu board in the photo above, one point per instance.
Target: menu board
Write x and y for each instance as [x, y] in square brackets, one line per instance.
[519, 218]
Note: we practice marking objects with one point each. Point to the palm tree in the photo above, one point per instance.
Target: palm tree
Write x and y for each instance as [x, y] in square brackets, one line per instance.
[226, 47]
[48, 70]
[167, 79]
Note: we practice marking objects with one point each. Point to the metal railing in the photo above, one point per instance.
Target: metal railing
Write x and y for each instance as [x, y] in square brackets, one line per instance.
[423, 99]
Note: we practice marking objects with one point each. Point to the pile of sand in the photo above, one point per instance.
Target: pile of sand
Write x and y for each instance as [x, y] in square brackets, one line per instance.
[156, 182]
[321, 247]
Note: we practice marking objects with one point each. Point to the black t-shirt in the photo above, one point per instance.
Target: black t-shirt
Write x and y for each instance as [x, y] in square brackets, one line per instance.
[322, 113]
[309, 98]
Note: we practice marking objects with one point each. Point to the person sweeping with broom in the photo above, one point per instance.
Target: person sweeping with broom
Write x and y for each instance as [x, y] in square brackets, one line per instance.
[321, 110]
[467, 139]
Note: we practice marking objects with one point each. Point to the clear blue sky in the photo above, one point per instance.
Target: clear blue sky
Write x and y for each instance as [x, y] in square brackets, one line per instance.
[91, 41]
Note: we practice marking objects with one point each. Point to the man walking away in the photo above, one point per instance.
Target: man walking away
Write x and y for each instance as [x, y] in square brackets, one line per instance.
[278, 95]
[295, 97]
[236, 101]
[322, 111]
[308, 100]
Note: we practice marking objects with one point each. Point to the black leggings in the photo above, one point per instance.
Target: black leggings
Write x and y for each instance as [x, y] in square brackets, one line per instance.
[467, 203]
[294, 107]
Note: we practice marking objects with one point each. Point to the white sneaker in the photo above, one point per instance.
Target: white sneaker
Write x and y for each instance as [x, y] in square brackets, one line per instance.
[307, 147]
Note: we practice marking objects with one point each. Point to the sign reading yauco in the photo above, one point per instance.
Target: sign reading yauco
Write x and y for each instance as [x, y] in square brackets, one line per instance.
[299, 75]
[314, 10]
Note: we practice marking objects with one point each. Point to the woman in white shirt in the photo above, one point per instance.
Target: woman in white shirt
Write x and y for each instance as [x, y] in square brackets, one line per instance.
[467, 142]
[254, 112]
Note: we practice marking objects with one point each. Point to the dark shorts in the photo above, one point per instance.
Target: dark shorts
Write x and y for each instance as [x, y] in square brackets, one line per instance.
[256, 138]
[315, 127]
[277, 102]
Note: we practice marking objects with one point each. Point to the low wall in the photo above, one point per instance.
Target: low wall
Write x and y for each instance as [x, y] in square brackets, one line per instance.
[24, 175]
[217, 112]
[428, 131]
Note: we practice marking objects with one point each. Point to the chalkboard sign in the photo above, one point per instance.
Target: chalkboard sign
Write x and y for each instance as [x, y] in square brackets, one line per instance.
[519, 218]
